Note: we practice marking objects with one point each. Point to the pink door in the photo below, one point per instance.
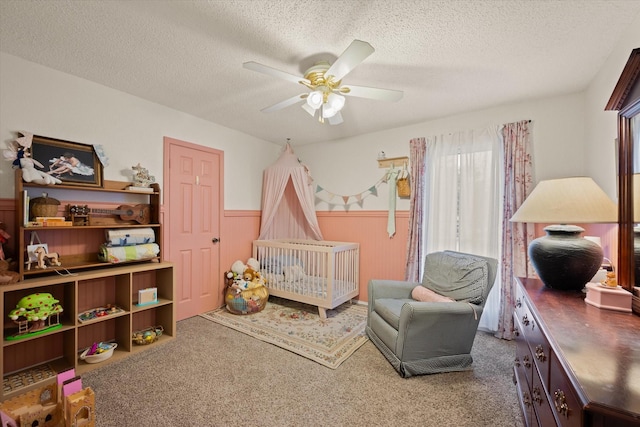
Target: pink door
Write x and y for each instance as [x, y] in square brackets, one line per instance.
[193, 191]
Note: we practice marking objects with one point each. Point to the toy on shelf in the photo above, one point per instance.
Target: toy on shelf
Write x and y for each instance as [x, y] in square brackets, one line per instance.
[96, 313]
[246, 292]
[36, 314]
[142, 179]
[7, 276]
[98, 352]
[147, 336]
[19, 153]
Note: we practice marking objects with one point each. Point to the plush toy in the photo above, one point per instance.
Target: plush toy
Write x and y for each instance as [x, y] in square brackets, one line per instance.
[4, 238]
[238, 268]
[249, 274]
[18, 152]
[31, 174]
[254, 264]
[6, 276]
[228, 278]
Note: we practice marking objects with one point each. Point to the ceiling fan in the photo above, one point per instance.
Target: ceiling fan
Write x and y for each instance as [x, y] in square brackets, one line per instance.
[324, 81]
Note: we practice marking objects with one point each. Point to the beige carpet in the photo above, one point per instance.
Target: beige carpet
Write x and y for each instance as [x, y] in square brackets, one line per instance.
[298, 328]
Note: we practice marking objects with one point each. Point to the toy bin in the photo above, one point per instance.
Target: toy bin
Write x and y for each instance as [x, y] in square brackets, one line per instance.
[247, 301]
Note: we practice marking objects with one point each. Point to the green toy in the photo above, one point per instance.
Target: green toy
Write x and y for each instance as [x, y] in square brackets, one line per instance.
[36, 314]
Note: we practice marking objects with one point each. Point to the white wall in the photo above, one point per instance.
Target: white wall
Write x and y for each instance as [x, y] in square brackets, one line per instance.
[349, 166]
[601, 126]
[46, 102]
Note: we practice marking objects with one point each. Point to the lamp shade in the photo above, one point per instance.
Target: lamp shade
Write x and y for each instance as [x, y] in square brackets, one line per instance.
[567, 201]
[563, 259]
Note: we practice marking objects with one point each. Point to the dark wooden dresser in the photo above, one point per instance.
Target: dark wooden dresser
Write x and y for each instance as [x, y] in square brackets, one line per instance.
[576, 364]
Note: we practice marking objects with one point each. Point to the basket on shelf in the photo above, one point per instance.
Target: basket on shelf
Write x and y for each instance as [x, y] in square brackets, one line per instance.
[105, 351]
[43, 206]
[147, 336]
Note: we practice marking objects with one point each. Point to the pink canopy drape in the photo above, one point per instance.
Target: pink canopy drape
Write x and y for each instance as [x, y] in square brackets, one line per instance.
[288, 201]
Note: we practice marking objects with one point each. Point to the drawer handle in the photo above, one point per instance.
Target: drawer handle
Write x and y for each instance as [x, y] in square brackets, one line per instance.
[517, 362]
[526, 361]
[540, 353]
[537, 395]
[560, 400]
[526, 399]
[525, 320]
[516, 332]
[518, 303]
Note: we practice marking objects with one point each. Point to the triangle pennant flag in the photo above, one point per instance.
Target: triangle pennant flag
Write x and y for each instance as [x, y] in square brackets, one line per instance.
[319, 189]
[346, 199]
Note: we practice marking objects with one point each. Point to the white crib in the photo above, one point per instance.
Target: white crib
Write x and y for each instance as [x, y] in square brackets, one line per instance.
[316, 272]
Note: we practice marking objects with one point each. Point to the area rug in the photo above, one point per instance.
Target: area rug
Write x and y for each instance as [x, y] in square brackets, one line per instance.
[298, 328]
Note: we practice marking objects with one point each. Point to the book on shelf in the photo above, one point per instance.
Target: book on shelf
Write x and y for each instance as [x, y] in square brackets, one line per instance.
[25, 208]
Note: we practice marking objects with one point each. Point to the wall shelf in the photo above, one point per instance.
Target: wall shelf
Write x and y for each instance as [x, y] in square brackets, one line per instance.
[397, 162]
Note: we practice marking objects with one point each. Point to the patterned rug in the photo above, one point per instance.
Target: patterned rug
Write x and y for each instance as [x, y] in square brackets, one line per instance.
[298, 328]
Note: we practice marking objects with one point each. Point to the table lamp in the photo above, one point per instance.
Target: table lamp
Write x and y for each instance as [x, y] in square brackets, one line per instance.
[563, 259]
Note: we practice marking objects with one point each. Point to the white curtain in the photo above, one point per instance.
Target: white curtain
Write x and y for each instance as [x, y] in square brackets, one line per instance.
[464, 193]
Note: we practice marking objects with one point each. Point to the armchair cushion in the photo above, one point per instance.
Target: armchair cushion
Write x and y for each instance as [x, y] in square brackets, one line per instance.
[461, 277]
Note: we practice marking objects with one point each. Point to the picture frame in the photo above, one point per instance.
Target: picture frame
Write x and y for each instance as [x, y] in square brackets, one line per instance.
[73, 163]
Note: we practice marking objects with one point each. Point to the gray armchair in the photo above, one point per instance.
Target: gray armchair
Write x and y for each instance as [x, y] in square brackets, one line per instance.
[431, 337]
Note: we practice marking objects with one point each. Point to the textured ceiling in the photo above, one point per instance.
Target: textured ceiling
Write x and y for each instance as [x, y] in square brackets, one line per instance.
[447, 56]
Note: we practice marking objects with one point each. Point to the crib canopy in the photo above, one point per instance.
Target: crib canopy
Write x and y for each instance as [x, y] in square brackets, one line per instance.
[288, 201]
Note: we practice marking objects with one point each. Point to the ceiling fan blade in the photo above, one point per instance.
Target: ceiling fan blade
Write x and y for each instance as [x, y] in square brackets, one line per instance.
[254, 66]
[372, 93]
[284, 104]
[357, 52]
[335, 120]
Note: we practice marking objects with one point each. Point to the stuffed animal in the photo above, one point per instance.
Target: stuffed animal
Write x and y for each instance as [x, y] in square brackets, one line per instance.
[249, 274]
[4, 238]
[228, 278]
[238, 268]
[254, 264]
[6, 276]
[31, 174]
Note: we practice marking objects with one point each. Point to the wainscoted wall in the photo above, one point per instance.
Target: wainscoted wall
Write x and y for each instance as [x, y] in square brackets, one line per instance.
[380, 256]
[8, 218]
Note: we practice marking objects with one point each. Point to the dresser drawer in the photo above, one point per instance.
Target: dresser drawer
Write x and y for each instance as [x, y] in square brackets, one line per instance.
[562, 398]
[541, 404]
[530, 327]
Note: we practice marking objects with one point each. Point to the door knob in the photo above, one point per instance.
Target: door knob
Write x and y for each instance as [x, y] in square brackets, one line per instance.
[215, 240]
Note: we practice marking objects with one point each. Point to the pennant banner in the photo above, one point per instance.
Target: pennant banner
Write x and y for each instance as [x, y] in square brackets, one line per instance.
[323, 195]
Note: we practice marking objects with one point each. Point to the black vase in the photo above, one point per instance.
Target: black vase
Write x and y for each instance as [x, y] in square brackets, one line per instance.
[563, 259]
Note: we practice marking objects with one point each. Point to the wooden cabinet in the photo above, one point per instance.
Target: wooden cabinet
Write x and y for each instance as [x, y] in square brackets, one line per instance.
[575, 364]
[52, 351]
[30, 360]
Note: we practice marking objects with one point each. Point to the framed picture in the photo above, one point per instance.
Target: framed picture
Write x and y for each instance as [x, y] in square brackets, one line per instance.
[71, 162]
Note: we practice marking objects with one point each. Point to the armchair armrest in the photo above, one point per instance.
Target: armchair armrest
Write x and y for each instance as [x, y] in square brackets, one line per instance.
[388, 289]
[450, 326]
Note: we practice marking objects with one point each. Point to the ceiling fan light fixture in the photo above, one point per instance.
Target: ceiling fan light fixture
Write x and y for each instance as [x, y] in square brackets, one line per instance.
[328, 112]
[315, 99]
[335, 101]
[309, 109]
